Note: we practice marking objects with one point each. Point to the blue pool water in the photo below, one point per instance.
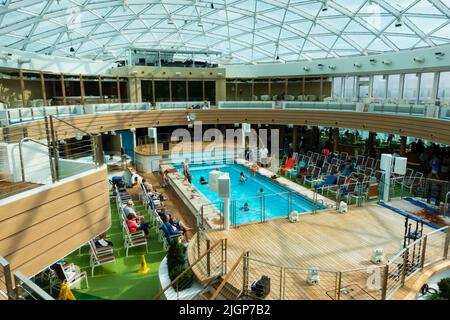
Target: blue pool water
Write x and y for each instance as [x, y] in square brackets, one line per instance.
[276, 197]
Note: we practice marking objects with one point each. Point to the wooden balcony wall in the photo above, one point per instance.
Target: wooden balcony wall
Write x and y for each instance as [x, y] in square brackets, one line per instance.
[41, 226]
[425, 128]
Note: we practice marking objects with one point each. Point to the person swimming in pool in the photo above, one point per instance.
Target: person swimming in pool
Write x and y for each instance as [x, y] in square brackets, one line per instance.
[203, 180]
[260, 192]
[242, 177]
[246, 207]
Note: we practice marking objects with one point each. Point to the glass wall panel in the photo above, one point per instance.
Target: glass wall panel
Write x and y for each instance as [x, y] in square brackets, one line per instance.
[210, 91]
[278, 88]
[426, 87]
[146, 91]
[179, 90]
[295, 87]
[231, 91]
[195, 90]
[379, 87]
[444, 85]
[162, 90]
[393, 91]
[410, 86]
[262, 89]
[349, 88]
[244, 90]
[337, 87]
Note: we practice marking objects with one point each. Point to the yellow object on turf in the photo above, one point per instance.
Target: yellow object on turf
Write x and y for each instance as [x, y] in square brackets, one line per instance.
[65, 293]
[144, 268]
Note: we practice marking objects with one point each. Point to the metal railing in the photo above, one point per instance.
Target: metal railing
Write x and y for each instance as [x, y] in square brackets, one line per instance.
[375, 282]
[255, 209]
[27, 163]
[208, 266]
[17, 286]
[18, 115]
[232, 277]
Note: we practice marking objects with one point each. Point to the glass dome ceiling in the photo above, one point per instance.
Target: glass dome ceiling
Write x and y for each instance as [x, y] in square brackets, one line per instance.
[243, 31]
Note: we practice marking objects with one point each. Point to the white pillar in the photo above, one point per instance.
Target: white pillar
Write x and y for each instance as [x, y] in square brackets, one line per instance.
[153, 133]
[226, 213]
[386, 165]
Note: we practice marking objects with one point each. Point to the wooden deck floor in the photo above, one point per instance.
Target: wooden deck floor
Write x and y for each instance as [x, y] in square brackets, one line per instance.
[328, 241]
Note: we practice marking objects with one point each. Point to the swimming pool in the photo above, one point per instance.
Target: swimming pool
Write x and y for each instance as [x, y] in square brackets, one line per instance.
[276, 200]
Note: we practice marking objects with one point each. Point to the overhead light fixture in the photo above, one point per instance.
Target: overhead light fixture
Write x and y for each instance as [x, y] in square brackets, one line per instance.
[419, 59]
[320, 65]
[325, 6]
[332, 67]
[439, 54]
[306, 68]
[200, 24]
[399, 22]
[170, 21]
[357, 65]
[178, 73]
[373, 61]
[212, 5]
[278, 57]
[386, 62]
[72, 49]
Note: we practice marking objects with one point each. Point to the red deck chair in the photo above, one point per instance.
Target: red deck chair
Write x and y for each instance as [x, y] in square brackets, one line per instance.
[288, 165]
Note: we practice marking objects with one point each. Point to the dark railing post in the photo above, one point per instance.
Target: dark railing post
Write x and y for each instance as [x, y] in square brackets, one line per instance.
[447, 241]
[385, 282]
[424, 250]
[208, 257]
[55, 148]
[338, 285]
[224, 256]
[404, 266]
[49, 147]
[245, 267]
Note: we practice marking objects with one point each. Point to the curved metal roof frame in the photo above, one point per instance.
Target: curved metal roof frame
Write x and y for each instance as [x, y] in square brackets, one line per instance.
[245, 31]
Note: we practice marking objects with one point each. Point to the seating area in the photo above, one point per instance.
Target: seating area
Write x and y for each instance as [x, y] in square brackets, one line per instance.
[342, 176]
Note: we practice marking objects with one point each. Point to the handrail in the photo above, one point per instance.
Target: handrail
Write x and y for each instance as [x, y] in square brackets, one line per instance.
[401, 252]
[187, 269]
[229, 274]
[19, 278]
[22, 169]
[71, 125]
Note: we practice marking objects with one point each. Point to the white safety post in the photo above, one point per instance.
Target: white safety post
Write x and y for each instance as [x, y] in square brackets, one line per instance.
[152, 133]
[386, 165]
[388, 161]
[224, 193]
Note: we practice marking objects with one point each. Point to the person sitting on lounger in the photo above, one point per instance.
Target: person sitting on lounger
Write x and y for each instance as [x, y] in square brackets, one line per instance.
[331, 180]
[148, 187]
[177, 223]
[170, 228]
[302, 172]
[203, 181]
[128, 208]
[135, 225]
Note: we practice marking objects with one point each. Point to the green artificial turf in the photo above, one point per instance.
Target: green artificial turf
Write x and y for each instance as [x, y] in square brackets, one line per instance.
[121, 280]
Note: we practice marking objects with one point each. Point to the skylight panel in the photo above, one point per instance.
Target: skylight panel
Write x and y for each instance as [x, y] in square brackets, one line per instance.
[403, 42]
